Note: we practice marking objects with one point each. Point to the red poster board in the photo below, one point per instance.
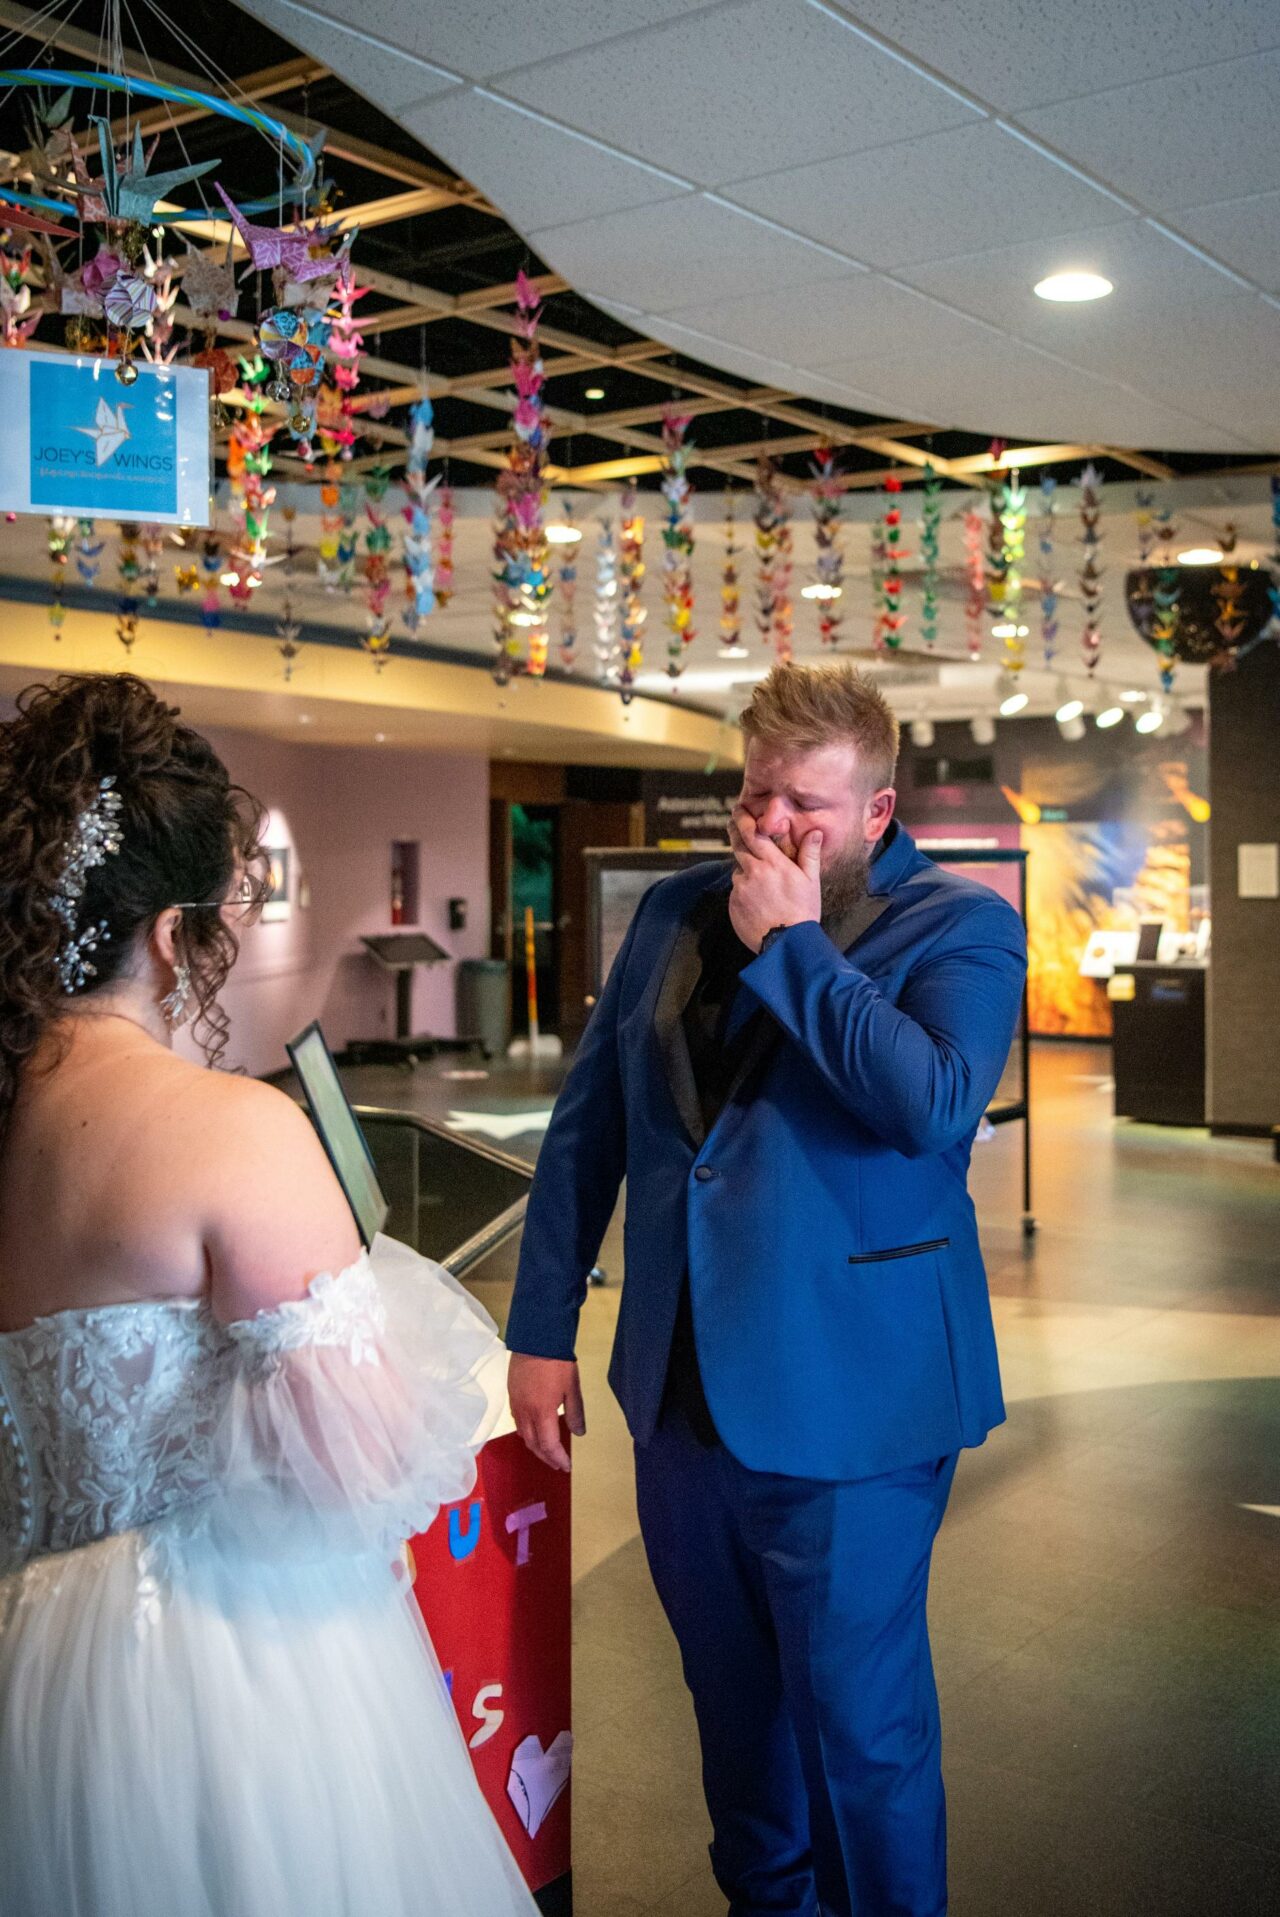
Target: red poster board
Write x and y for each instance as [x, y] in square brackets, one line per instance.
[492, 1579]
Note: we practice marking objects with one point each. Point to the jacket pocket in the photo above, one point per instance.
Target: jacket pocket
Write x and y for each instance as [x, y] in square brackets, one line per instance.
[899, 1251]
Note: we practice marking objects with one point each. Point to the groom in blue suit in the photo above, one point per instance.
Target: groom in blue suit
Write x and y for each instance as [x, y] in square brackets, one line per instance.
[788, 1064]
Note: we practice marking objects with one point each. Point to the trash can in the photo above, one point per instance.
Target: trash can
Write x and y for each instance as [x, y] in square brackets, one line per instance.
[484, 1004]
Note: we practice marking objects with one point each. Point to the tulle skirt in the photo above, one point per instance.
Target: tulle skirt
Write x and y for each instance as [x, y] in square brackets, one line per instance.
[257, 1739]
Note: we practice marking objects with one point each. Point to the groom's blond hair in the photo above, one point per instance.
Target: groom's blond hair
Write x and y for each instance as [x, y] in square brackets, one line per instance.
[798, 708]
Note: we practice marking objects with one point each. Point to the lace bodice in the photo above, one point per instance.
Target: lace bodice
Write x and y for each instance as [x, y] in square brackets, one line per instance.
[109, 1416]
[341, 1421]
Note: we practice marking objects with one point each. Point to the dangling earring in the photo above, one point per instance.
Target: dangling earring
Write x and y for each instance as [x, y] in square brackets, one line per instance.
[174, 1003]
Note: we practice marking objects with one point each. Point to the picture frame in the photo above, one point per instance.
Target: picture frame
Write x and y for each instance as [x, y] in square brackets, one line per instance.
[279, 903]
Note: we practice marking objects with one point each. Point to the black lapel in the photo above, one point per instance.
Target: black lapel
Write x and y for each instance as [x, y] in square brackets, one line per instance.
[684, 969]
[763, 1032]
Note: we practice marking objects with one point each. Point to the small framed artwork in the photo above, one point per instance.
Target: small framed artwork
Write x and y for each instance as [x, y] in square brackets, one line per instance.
[278, 904]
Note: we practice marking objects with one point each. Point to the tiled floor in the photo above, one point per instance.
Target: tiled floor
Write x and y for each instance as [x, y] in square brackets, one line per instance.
[1105, 1603]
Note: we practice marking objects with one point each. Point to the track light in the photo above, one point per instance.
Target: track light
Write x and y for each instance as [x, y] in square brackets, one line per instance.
[983, 729]
[1109, 716]
[922, 733]
[1151, 720]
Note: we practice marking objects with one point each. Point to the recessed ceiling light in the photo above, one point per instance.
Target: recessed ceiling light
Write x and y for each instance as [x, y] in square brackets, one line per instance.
[563, 535]
[1016, 702]
[1149, 721]
[1073, 287]
[1133, 697]
[1070, 710]
[593, 392]
[1110, 717]
[1007, 630]
[734, 652]
[527, 619]
[821, 590]
[230, 578]
[1201, 556]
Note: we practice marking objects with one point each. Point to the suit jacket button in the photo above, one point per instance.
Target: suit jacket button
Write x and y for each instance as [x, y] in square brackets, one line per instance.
[703, 1173]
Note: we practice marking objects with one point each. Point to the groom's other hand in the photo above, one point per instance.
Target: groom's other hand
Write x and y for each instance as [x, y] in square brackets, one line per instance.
[540, 1388]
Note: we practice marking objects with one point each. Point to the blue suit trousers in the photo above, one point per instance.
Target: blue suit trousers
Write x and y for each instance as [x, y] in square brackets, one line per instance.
[799, 1608]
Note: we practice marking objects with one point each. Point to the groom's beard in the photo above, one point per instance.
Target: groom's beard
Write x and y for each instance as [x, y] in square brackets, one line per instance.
[844, 884]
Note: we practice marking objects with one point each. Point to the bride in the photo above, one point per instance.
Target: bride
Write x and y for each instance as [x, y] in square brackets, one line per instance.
[218, 1418]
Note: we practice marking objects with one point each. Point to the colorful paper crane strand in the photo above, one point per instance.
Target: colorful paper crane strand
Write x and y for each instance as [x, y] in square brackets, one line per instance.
[677, 540]
[828, 532]
[1091, 568]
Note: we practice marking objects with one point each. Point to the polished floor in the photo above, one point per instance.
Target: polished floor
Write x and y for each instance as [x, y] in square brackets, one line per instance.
[1106, 1593]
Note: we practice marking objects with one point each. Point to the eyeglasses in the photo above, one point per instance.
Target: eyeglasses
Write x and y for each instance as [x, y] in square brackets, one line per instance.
[245, 894]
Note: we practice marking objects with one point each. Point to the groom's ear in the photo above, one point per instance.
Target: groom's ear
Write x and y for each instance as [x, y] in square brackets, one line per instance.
[878, 814]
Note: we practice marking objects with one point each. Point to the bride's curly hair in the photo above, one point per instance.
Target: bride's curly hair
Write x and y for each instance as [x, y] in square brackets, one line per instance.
[186, 833]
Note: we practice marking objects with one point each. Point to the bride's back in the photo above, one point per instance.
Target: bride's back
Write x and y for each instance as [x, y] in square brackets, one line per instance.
[109, 1163]
[126, 856]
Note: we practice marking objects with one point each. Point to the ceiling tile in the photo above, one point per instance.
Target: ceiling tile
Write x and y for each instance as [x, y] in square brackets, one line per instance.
[1245, 233]
[970, 377]
[1148, 271]
[387, 79]
[1211, 134]
[485, 37]
[527, 167]
[832, 319]
[908, 201]
[658, 252]
[1014, 55]
[776, 75]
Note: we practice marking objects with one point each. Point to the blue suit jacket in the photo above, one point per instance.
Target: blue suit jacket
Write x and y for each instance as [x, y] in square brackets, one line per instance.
[839, 1298]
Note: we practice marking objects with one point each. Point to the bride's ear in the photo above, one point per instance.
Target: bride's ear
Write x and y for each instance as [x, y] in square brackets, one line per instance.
[163, 941]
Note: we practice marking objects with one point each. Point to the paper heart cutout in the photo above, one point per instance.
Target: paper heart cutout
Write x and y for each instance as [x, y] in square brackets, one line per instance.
[538, 1778]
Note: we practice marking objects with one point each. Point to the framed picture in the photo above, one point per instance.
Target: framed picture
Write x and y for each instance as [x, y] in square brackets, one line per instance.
[279, 904]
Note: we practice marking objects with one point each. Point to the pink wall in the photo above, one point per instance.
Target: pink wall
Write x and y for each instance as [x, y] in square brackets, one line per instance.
[339, 809]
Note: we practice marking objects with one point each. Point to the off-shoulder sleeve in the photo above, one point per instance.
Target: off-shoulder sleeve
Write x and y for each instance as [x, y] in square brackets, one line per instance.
[348, 1417]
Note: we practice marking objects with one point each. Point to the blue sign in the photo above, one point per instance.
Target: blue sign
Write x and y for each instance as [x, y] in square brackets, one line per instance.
[99, 451]
[83, 443]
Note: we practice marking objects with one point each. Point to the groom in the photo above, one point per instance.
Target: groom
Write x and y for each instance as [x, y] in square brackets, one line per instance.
[788, 1064]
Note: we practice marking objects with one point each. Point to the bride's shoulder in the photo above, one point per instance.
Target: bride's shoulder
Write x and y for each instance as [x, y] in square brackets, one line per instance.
[276, 1216]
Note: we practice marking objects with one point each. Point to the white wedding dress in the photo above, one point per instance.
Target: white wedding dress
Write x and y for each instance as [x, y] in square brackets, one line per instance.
[217, 1698]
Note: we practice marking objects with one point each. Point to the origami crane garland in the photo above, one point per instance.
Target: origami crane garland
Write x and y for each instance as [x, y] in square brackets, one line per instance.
[774, 613]
[827, 493]
[631, 614]
[445, 515]
[1012, 501]
[605, 643]
[1090, 576]
[420, 593]
[930, 529]
[566, 599]
[58, 539]
[891, 619]
[975, 605]
[730, 597]
[1049, 584]
[522, 577]
[677, 540]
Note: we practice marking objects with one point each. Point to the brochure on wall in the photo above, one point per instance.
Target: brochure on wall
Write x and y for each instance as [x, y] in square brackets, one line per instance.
[80, 442]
